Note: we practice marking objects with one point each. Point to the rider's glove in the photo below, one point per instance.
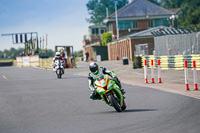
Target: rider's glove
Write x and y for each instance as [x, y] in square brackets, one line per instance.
[94, 90]
[114, 78]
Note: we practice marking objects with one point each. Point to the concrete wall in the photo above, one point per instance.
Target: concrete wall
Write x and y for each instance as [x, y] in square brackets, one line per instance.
[27, 61]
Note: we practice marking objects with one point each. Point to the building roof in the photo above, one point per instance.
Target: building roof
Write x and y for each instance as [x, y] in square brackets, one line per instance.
[156, 31]
[141, 8]
[175, 10]
[147, 33]
[97, 26]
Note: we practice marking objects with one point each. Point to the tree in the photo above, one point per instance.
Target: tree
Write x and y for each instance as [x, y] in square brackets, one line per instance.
[172, 3]
[106, 37]
[190, 11]
[46, 53]
[97, 9]
[78, 53]
[50, 53]
[10, 54]
[155, 2]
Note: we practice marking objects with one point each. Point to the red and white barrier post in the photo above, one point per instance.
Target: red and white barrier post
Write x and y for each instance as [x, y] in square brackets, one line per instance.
[145, 71]
[152, 72]
[186, 76]
[195, 75]
[159, 72]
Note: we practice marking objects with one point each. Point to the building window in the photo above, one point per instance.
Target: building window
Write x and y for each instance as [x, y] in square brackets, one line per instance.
[103, 30]
[134, 24]
[125, 25]
[150, 23]
[110, 27]
[158, 22]
[95, 31]
[161, 22]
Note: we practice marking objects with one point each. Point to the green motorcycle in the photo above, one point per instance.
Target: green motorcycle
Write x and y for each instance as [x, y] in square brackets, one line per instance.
[110, 92]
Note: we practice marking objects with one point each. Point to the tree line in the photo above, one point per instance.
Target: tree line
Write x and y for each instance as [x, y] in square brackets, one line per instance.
[12, 53]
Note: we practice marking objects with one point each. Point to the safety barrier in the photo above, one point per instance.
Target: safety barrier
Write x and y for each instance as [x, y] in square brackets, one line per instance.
[176, 62]
[46, 63]
[197, 59]
[152, 71]
[145, 71]
[194, 75]
[78, 59]
[186, 75]
[6, 63]
[159, 72]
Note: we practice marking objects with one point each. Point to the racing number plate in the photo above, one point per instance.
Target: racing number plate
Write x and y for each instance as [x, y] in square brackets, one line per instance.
[102, 81]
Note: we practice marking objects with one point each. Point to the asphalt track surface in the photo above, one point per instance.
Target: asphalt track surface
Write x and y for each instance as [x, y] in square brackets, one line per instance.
[34, 101]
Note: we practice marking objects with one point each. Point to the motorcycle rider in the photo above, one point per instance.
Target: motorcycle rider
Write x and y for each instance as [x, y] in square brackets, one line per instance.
[96, 72]
[56, 57]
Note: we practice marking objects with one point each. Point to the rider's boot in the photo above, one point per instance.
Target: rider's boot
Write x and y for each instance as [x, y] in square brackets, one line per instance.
[95, 96]
[63, 71]
[120, 87]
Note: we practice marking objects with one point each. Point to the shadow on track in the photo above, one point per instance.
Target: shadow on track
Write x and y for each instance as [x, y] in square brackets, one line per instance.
[128, 111]
[138, 110]
[71, 77]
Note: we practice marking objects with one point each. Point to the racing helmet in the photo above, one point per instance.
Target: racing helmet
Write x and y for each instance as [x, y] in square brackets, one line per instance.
[57, 54]
[93, 67]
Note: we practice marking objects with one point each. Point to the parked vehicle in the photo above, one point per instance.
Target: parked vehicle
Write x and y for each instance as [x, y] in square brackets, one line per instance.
[110, 93]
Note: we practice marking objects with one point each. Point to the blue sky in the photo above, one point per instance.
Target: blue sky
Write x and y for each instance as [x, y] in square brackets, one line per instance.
[63, 20]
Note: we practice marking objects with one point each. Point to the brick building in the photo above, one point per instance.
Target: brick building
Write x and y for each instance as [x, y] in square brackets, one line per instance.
[93, 41]
[134, 20]
[137, 16]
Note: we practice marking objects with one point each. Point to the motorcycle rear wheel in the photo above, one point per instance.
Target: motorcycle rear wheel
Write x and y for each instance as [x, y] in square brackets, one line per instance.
[114, 103]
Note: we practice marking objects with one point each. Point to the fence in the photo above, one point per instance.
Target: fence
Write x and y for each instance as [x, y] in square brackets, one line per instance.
[177, 42]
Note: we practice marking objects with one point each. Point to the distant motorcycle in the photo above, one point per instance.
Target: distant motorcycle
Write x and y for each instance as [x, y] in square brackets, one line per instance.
[110, 92]
[59, 68]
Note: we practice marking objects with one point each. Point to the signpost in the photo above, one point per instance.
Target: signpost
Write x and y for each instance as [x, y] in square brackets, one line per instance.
[27, 38]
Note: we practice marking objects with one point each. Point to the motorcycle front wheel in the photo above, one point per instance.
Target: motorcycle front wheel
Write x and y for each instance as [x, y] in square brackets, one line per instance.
[124, 105]
[114, 103]
[59, 75]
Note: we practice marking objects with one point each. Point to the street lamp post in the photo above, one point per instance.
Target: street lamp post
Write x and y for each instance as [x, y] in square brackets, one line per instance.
[172, 18]
[117, 30]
